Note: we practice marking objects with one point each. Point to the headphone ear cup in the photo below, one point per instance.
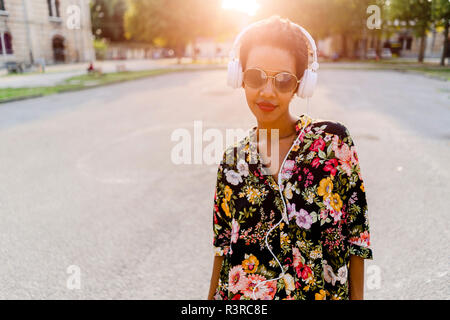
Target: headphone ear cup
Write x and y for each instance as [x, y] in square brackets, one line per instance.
[307, 84]
[302, 84]
[234, 78]
[240, 75]
[230, 78]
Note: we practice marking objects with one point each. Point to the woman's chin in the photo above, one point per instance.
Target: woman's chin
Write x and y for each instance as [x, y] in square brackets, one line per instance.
[266, 116]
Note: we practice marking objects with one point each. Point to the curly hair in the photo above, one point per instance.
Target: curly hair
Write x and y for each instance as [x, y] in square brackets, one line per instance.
[280, 33]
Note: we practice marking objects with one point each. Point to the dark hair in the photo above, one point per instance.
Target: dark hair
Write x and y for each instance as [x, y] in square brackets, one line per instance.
[280, 33]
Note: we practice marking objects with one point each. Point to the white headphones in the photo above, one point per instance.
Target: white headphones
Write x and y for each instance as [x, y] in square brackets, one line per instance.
[307, 82]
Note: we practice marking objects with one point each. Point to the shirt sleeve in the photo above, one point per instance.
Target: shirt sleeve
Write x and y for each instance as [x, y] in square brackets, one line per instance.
[221, 212]
[356, 205]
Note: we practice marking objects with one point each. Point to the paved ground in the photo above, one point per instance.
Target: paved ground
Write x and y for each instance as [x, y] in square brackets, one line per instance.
[86, 180]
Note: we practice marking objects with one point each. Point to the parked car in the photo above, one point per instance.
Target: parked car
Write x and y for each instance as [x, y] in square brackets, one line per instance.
[386, 53]
[371, 53]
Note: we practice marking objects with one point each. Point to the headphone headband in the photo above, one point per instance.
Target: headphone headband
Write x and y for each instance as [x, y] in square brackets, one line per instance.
[314, 65]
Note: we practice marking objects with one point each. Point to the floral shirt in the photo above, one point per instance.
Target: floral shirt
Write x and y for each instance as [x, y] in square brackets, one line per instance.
[312, 230]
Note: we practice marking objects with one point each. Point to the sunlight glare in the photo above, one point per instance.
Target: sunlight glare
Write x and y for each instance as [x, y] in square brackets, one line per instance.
[247, 6]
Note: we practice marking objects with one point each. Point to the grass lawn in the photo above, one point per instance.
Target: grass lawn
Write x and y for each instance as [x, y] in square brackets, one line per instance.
[82, 82]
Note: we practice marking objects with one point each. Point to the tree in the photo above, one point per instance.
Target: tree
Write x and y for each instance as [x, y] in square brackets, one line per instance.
[177, 22]
[107, 19]
[417, 15]
[441, 16]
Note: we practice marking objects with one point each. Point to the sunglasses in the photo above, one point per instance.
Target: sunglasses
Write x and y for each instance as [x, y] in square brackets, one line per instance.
[257, 78]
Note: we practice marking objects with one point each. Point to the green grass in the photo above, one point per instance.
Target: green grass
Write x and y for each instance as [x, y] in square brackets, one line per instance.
[81, 82]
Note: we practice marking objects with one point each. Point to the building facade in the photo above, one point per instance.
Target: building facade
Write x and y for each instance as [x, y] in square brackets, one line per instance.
[49, 31]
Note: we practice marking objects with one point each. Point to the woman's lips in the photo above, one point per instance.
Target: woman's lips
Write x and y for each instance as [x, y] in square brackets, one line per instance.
[267, 107]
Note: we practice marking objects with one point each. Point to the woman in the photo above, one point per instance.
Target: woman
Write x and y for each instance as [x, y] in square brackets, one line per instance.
[292, 225]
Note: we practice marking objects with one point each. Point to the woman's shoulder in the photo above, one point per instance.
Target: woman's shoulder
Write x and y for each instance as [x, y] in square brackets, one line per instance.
[331, 127]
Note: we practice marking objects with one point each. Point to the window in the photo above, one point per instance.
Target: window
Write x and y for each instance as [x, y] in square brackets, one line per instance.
[53, 8]
[6, 43]
[2, 5]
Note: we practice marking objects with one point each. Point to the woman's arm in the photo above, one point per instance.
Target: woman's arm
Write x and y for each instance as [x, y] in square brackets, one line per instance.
[356, 278]
[215, 276]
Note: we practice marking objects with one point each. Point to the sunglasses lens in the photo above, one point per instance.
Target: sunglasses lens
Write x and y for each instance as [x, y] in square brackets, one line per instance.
[254, 78]
[285, 82]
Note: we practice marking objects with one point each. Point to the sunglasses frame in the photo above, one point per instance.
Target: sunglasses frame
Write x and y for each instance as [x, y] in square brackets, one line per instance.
[268, 77]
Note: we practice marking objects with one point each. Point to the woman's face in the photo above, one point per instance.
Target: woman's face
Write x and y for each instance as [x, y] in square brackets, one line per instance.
[272, 60]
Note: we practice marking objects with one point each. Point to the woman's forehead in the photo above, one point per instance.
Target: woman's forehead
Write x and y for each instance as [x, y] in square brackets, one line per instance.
[271, 59]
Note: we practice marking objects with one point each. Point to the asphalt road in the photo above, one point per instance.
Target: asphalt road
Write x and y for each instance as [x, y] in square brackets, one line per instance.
[87, 181]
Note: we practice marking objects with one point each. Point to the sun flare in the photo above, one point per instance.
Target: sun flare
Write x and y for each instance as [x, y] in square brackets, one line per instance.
[247, 6]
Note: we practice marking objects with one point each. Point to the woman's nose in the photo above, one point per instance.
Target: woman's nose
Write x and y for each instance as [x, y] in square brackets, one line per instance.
[268, 88]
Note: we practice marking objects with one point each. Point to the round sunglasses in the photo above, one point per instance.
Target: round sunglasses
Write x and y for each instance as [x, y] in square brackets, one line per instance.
[256, 78]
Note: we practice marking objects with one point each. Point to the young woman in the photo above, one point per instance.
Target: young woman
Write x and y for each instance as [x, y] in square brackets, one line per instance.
[297, 227]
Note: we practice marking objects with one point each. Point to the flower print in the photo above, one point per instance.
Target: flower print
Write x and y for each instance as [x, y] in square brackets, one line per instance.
[328, 273]
[237, 279]
[250, 264]
[255, 195]
[305, 272]
[242, 167]
[234, 231]
[315, 163]
[342, 274]
[298, 259]
[288, 191]
[252, 283]
[316, 187]
[323, 214]
[363, 240]
[330, 166]
[291, 210]
[344, 154]
[327, 137]
[226, 208]
[336, 215]
[269, 294]
[354, 158]
[289, 284]
[322, 295]
[317, 145]
[336, 202]
[315, 254]
[289, 165]
[325, 187]
[303, 219]
[228, 192]
[284, 239]
[233, 177]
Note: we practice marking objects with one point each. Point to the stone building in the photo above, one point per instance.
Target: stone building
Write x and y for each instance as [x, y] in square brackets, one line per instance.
[54, 31]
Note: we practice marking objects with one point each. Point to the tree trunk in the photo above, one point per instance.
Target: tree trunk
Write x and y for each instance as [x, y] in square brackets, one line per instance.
[445, 49]
[194, 49]
[422, 48]
[344, 46]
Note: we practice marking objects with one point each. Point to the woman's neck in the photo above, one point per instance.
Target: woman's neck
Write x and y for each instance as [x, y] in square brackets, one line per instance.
[285, 126]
